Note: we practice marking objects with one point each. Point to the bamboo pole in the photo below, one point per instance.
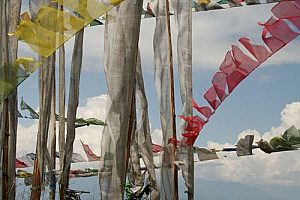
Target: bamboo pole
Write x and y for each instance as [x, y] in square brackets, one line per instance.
[173, 115]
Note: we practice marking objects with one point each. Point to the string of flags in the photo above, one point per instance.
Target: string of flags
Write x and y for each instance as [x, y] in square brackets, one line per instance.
[79, 122]
[236, 65]
[50, 28]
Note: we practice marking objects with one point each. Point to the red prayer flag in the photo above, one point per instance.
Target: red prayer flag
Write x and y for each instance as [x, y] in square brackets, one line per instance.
[279, 30]
[296, 21]
[193, 128]
[234, 79]
[190, 138]
[243, 62]
[219, 82]
[211, 98]
[204, 110]
[286, 9]
[228, 65]
[258, 51]
[20, 164]
[156, 148]
[273, 43]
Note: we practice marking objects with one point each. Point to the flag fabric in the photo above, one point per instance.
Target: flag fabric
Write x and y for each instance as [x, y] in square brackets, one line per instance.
[76, 157]
[261, 53]
[280, 33]
[162, 79]
[234, 79]
[121, 32]
[157, 148]
[244, 146]
[89, 153]
[289, 140]
[204, 110]
[206, 154]
[228, 65]
[292, 135]
[49, 28]
[20, 164]
[28, 159]
[243, 62]
[211, 97]
[32, 113]
[79, 122]
[237, 65]
[220, 84]
[145, 148]
[183, 17]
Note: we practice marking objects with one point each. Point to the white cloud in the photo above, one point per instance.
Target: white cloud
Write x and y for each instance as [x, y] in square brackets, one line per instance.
[94, 107]
[261, 168]
[91, 135]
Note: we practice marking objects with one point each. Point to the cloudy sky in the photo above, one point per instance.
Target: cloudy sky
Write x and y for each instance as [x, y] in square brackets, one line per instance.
[265, 104]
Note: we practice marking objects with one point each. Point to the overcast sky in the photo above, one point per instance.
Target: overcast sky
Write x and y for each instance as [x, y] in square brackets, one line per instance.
[265, 104]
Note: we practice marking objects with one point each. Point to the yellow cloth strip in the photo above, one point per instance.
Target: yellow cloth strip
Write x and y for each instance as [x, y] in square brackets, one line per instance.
[51, 27]
[89, 9]
[206, 2]
[12, 74]
[28, 64]
[46, 33]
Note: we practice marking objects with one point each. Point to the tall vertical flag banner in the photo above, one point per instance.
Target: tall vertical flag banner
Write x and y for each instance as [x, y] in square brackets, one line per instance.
[163, 87]
[183, 17]
[120, 57]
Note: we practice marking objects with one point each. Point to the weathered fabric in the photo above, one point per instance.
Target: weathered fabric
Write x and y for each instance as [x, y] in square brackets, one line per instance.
[265, 146]
[32, 113]
[143, 137]
[120, 57]
[72, 107]
[244, 146]
[35, 5]
[292, 135]
[289, 140]
[162, 79]
[89, 153]
[49, 28]
[206, 154]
